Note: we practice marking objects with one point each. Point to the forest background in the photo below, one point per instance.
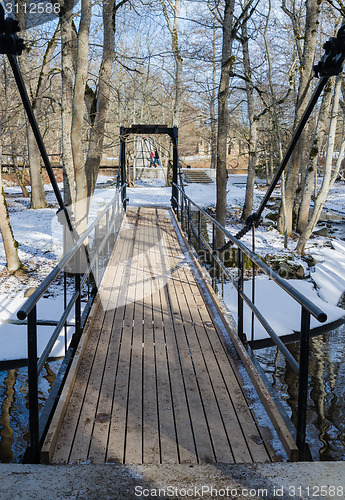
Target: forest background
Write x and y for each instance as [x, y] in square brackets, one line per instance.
[214, 68]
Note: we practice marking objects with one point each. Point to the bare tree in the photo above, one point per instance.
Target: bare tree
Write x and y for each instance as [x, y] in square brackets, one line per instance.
[223, 118]
[253, 124]
[329, 176]
[314, 154]
[173, 27]
[10, 244]
[306, 68]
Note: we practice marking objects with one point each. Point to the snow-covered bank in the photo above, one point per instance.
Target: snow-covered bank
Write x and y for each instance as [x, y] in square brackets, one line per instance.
[13, 337]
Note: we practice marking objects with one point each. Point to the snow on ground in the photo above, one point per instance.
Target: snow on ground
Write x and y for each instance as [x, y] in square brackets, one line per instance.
[39, 235]
[37, 232]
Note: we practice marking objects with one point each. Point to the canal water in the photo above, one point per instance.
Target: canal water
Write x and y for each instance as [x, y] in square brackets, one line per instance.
[14, 408]
[326, 402]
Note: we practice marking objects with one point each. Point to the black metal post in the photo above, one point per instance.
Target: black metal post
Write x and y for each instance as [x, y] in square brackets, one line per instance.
[199, 231]
[253, 284]
[78, 300]
[107, 225]
[65, 305]
[239, 297]
[303, 448]
[182, 212]
[189, 222]
[174, 191]
[214, 246]
[122, 162]
[34, 447]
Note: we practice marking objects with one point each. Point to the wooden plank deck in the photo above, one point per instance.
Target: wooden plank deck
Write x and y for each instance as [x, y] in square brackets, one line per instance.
[155, 383]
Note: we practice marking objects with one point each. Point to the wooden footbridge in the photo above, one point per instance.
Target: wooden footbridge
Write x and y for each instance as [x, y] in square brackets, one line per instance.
[153, 381]
[150, 375]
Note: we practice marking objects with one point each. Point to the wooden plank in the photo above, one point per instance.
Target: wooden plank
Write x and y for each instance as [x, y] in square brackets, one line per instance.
[82, 440]
[99, 443]
[274, 415]
[215, 422]
[117, 432]
[184, 428]
[151, 444]
[242, 430]
[214, 355]
[168, 440]
[134, 427]
[71, 418]
[204, 447]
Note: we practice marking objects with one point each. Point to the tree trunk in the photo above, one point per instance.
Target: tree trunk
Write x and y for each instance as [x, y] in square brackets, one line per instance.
[12, 260]
[18, 172]
[174, 31]
[213, 103]
[223, 116]
[314, 154]
[38, 195]
[103, 93]
[78, 109]
[252, 156]
[67, 100]
[292, 179]
[328, 179]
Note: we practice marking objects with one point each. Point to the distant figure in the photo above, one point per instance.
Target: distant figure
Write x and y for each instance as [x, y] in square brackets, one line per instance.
[152, 158]
[156, 161]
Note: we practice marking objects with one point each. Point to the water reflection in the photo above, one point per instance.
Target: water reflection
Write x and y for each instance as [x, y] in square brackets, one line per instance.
[14, 408]
[326, 404]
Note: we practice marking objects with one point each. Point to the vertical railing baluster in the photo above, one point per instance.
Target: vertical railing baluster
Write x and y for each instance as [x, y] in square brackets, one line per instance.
[107, 232]
[182, 213]
[240, 283]
[65, 305]
[97, 259]
[214, 246]
[253, 283]
[189, 224]
[199, 231]
[303, 386]
[78, 300]
[35, 449]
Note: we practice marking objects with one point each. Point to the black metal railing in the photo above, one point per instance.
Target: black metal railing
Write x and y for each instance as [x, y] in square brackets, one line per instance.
[83, 267]
[201, 227]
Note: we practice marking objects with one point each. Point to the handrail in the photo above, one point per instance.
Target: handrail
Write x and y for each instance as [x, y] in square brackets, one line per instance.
[298, 296]
[182, 209]
[111, 218]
